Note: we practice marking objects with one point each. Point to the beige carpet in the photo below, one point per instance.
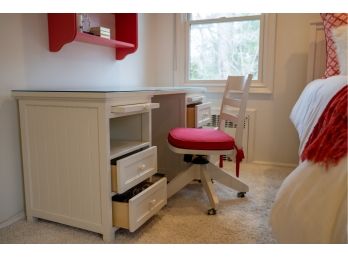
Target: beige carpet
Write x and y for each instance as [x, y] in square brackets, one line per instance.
[184, 219]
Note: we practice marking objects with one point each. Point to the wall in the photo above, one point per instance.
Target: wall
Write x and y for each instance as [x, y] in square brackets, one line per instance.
[162, 51]
[276, 140]
[26, 63]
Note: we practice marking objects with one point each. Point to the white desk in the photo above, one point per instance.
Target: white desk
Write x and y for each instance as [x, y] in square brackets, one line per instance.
[69, 139]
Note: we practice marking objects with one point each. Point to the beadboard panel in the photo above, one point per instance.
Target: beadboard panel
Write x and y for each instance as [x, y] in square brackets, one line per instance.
[60, 183]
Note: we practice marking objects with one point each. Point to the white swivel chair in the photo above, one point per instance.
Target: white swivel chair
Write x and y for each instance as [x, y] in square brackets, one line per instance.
[203, 142]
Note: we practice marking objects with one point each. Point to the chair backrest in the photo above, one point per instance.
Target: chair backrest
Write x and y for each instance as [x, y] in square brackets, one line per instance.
[233, 106]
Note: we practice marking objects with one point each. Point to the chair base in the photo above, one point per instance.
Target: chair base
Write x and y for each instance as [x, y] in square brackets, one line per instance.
[205, 173]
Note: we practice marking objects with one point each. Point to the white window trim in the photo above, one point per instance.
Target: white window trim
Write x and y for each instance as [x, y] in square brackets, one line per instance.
[267, 55]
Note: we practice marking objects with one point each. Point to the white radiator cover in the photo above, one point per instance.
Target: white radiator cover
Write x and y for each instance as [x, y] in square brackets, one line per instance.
[230, 128]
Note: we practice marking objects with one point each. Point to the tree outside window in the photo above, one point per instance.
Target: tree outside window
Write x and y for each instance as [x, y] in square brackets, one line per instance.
[223, 44]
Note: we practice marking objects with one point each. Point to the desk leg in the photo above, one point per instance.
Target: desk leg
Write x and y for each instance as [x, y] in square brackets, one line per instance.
[109, 235]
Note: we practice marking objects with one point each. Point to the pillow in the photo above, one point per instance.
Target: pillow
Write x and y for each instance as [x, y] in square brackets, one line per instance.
[330, 21]
[340, 36]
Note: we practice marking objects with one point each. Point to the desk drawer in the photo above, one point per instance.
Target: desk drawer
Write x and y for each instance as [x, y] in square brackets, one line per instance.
[132, 170]
[203, 114]
[132, 213]
[130, 108]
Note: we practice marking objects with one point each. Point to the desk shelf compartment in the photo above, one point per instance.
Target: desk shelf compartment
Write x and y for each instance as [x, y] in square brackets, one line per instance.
[129, 133]
[130, 210]
[63, 29]
[122, 147]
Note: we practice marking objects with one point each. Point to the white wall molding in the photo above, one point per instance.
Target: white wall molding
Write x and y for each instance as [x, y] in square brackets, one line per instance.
[12, 219]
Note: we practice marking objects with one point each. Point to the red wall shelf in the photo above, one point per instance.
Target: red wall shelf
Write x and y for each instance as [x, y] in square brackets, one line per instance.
[63, 29]
[87, 38]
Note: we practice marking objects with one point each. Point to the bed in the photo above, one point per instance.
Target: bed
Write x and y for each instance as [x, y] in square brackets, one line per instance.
[311, 204]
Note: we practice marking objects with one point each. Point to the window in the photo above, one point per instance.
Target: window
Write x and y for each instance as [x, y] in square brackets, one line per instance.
[211, 46]
[222, 45]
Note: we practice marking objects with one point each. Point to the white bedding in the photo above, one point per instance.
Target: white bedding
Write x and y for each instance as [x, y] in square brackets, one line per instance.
[311, 104]
[311, 204]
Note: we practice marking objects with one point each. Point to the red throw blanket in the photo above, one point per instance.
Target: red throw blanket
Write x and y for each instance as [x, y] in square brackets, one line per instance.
[327, 143]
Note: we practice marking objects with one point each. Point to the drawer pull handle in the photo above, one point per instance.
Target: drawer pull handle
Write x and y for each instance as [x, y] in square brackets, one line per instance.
[142, 167]
[152, 204]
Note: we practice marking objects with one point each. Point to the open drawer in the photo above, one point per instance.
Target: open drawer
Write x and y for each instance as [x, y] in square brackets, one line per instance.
[133, 169]
[198, 115]
[203, 114]
[133, 208]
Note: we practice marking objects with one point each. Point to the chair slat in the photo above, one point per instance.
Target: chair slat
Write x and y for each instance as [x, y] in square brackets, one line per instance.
[229, 117]
[232, 102]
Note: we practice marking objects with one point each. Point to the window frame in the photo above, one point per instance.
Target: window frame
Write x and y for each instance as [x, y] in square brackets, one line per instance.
[264, 84]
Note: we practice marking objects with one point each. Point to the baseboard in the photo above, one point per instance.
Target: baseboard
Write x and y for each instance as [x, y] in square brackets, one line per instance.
[12, 219]
[281, 164]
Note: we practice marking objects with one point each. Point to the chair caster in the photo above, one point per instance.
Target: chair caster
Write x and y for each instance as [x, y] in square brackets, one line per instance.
[211, 211]
[241, 194]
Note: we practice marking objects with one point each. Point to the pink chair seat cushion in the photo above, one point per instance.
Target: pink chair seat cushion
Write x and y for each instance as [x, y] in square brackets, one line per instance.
[200, 139]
